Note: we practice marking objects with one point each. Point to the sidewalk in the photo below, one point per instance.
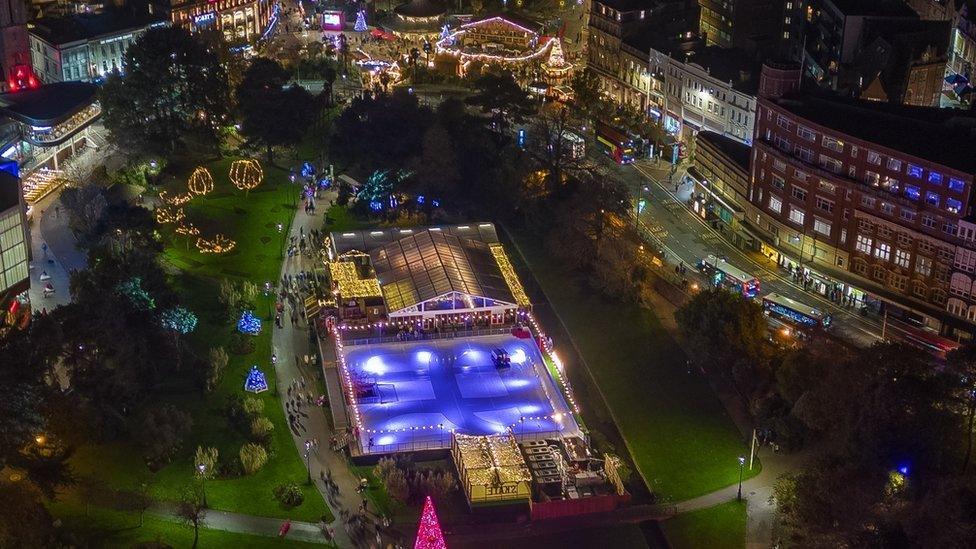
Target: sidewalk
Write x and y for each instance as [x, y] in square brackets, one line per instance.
[249, 524]
[291, 343]
[49, 227]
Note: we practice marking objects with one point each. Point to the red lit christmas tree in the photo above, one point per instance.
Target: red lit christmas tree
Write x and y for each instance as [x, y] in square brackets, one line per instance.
[429, 535]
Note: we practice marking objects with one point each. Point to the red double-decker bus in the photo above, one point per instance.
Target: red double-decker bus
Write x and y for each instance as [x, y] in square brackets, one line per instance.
[614, 143]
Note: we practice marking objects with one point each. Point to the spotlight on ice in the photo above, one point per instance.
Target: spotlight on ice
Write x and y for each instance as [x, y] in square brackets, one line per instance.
[518, 357]
[424, 356]
[374, 365]
[386, 439]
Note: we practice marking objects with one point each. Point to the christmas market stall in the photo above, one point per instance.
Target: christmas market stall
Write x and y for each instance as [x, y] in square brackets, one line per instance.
[491, 469]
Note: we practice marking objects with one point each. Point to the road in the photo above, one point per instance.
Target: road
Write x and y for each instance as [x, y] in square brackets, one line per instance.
[687, 238]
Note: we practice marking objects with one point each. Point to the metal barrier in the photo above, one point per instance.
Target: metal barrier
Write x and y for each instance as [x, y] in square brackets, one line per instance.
[428, 336]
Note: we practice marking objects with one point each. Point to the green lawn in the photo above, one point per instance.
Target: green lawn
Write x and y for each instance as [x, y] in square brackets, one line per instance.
[719, 527]
[678, 432]
[252, 222]
[105, 528]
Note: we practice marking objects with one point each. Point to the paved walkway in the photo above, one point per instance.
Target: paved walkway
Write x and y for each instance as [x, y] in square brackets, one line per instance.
[291, 344]
[249, 524]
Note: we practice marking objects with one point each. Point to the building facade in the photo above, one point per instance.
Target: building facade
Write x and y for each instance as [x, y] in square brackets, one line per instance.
[14, 251]
[240, 21]
[745, 24]
[85, 47]
[870, 211]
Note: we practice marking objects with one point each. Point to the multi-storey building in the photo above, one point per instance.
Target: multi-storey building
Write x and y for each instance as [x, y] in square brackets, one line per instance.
[13, 40]
[902, 62]
[14, 250]
[84, 47]
[745, 24]
[240, 21]
[962, 54]
[721, 179]
[867, 198]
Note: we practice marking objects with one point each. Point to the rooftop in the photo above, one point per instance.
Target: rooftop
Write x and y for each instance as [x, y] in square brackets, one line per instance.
[367, 241]
[630, 5]
[738, 152]
[49, 104]
[877, 8]
[946, 136]
[429, 264]
[64, 30]
[420, 8]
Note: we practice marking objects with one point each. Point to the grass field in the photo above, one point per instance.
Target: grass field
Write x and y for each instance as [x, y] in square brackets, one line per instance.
[108, 529]
[679, 434]
[719, 527]
[252, 222]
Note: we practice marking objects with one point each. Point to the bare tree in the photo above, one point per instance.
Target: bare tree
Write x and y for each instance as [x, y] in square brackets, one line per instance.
[191, 510]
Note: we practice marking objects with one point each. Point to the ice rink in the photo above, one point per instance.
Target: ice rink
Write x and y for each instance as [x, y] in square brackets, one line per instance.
[413, 394]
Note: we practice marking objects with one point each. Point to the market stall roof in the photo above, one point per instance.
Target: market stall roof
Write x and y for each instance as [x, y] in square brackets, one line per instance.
[49, 104]
[485, 459]
[351, 285]
[420, 9]
[369, 240]
[432, 263]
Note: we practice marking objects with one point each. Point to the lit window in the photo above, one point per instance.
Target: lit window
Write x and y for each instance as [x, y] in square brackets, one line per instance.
[882, 251]
[953, 205]
[775, 204]
[874, 158]
[888, 208]
[894, 164]
[902, 257]
[935, 178]
[872, 178]
[923, 266]
[915, 171]
[796, 215]
[931, 198]
[913, 192]
[821, 226]
[863, 244]
[956, 185]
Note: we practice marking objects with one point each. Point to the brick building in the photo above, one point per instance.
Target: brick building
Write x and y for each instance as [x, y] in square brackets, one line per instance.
[868, 197]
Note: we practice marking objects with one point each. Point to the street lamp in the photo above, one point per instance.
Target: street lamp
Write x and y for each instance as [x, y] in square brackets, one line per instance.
[267, 295]
[308, 468]
[742, 461]
[640, 204]
[202, 468]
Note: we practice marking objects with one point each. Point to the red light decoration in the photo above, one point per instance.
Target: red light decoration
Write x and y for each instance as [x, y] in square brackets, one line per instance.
[429, 535]
[21, 77]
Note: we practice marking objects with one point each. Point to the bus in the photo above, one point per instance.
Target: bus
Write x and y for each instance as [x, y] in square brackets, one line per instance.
[723, 275]
[795, 312]
[614, 143]
[573, 144]
[926, 340]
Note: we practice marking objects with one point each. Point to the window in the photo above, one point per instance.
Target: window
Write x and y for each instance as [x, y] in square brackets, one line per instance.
[928, 221]
[821, 226]
[779, 165]
[830, 164]
[826, 186]
[898, 282]
[902, 257]
[948, 227]
[852, 171]
[843, 238]
[882, 251]
[805, 154]
[935, 178]
[832, 144]
[872, 178]
[956, 185]
[894, 164]
[806, 133]
[775, 204]
[932, 198]
[913, 192]
[908, 215]
[891, 184]
[884, 231]
[923, 266]
[888, 208]
[868, 201]
[953, 205]
[965, 260]
[863, 244]
[796, 215]
[800, 175]
[783, 122]
[799, 193]
[915, 171]
[874, 158]
[825, 205]
[778, 182]
[853, 151]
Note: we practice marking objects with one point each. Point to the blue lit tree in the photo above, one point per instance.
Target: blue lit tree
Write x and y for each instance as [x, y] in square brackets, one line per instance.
[360, 21]
[249, 324]
[133, 290]
[255, 382]
[378, 192]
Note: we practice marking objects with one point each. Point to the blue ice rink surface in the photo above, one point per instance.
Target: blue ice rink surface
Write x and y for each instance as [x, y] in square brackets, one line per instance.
[426, 389]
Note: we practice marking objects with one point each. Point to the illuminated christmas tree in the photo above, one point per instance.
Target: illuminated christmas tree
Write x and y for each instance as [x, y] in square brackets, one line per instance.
[360, 21]
[255, 382]
[429, 535]
[249, 324]
[446, 34]
[556, 58]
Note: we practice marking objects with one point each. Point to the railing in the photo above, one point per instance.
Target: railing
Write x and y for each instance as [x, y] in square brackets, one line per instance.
[428, 336]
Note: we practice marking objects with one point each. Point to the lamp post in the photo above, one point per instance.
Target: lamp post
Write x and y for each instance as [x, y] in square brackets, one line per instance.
[202, 469]
[308, 453]
[742, 461]
[267, 295]
[641, 189]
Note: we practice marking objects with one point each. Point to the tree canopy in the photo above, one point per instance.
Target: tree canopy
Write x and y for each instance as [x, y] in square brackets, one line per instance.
[272, 113]
[175, 89]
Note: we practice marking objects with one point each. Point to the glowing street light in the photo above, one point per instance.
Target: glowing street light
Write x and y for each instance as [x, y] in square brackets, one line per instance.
[742, 461]
[202, 469]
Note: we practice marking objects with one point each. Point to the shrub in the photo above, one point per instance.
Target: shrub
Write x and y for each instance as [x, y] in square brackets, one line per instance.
[208, 458]
[253, 457]
[253, 406]
[396, 485]
[241, 344]
[383, 468]
[216, 362]
[289, 494]
[229, 297]
[261, 429]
